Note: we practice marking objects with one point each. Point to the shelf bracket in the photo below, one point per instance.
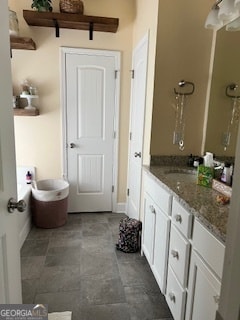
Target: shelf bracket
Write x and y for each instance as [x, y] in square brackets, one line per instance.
[91, 31]
[56, 27]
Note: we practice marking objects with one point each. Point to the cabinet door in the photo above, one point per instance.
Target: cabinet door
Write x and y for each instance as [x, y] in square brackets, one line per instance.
[204, 291]
[160, 253]
[148, 228]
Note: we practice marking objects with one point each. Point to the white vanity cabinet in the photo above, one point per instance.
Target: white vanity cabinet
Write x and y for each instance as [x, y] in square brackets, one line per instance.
[185, 257]
[178, 262]
[205, 275]
[156, 226]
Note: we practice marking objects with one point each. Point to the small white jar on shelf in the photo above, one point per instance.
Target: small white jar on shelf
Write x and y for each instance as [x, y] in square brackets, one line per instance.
[29, 98]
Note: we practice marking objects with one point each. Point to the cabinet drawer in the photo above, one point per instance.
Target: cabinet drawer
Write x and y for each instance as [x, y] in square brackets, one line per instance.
[179, 255]
[175, 296]
[158, 194]
[209, 247]
[181, 218]
[148, 227]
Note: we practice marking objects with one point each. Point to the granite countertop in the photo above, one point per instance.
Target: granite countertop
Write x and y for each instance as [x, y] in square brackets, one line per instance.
[199, 200]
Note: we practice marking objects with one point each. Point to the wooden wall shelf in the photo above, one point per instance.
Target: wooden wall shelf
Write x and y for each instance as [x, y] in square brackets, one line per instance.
[70, 21]
[25, 112]
[22, 43]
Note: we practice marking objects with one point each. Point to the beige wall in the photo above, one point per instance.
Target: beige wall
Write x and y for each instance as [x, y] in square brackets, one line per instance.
[39, 139]
[146, 21]
[183, 52]
[181, 45]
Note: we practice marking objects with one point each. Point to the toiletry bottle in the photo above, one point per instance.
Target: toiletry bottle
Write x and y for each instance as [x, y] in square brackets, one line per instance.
[196, 162]
[190, 160]
[28, 177]
[208, 159]
[226, 175]
[231, 174]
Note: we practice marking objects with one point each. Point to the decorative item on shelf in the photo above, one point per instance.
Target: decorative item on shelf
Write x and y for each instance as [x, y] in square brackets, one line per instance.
[29, 98]
[42, 5]
[29, 92]
[15, 101]
[13, 24]
[25, 87]
[71, 6]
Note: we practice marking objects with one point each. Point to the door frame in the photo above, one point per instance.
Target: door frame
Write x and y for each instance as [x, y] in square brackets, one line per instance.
[142, 41]
[10, 263]
[117, 56]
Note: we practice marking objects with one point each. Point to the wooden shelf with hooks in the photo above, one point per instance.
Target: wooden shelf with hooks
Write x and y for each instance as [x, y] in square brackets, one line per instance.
[25, 112]
[22, 43]
[70, 21]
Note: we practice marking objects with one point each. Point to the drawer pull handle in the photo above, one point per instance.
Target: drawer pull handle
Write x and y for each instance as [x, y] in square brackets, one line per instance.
[172, 297]
[152, 209]
[175, 254]
[216, 299]
[178, 218]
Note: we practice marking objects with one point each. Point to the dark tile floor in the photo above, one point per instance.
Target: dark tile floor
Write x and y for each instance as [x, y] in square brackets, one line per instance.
[77, 268]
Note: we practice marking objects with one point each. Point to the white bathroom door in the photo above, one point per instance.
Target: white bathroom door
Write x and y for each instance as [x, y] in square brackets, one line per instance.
[91, 89]
[10, 276]
[138, 98]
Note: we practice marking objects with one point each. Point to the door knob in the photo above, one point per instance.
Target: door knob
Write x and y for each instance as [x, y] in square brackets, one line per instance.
[19, 205]
[72, 145]
[172, 296]
[137, 154]
[175, 254]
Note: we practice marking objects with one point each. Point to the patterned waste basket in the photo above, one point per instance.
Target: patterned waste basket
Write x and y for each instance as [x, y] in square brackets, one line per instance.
[129, 235]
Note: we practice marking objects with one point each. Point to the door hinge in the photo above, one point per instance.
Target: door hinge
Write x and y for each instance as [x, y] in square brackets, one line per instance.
[112, 188]
[114, 134]
[132, 73]
[130, 136]
[115, 74]
[128, 192]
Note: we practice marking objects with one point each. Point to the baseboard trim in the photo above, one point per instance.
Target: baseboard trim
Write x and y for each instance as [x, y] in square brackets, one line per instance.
[25, 231]
[121, 207]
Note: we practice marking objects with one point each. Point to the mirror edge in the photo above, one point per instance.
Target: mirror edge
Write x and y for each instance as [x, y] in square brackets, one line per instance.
[208, 92]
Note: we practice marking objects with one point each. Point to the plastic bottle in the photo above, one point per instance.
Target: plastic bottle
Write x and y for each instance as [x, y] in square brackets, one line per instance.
[226, 175]
[196, 162]
[208, 159]
[28, 177]
[190, 160]
[231, 174]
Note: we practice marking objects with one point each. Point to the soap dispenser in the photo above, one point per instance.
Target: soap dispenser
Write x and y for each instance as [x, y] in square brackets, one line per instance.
[208, 159]
[28, 177]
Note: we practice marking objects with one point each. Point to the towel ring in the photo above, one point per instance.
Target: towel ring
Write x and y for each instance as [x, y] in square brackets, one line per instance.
[183, 83]
[232, 86]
